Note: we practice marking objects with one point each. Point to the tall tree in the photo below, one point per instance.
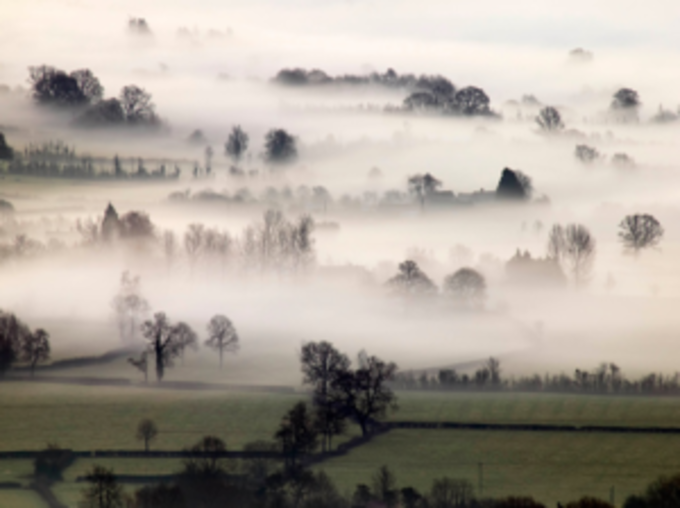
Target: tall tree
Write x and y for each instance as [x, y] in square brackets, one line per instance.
[574, 248]
[322, 365]
[35, 348]
[297, 434]
[130, 307]
[6, 151]
[237, 144]
[222, 335]
[166, 341]
[640, 231]
[514, 185]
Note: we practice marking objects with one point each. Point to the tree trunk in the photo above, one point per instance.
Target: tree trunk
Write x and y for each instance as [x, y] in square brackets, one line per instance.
[146, 444]
[159, 363]
[221, 353]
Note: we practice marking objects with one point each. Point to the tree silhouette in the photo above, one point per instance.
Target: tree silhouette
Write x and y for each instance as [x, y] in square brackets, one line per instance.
[237, 144]
[514, 185]
[586, 154]
[147, 432]
[322, 365]
[297, 434]
[55, 87]
[411, 280]
[423, 186]
[471, 101]
[280, 147]
[12, 335]
[574, 247]
[639, 231]
[222, 335]
[166, 341]
[130, 307]
[365, 392]
[550, 120]
[466, 286]
[6, 152]
[137, 105]
[104, 491]
[35, 348]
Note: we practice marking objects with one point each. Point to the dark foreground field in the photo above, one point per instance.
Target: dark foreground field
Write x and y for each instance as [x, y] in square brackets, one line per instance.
[552, 466]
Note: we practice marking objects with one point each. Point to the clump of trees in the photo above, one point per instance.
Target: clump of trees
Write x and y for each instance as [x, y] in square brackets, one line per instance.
[467, 287]
[411, 281]
[83, 91]
[446, 100]
[19, 344]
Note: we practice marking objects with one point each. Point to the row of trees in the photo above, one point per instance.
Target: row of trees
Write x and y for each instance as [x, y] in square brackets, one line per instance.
[18, 343]
[607, 378]
[56, 159]
[82, 91]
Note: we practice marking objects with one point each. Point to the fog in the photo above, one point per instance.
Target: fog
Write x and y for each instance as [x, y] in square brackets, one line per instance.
[218, 74]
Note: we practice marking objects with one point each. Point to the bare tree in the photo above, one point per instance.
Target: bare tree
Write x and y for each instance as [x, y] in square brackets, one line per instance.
[297, 433]
[467, 286]
[222, 335]
[130, 307]
[147, 432]
[550, 120]
[193, 242]
[166, 341]
[137, 105]
[640, 231]
[104, 491]
[35, 348]
[574, 248]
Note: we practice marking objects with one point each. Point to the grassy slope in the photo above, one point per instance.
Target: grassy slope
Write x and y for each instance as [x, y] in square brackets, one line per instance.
[550, 466]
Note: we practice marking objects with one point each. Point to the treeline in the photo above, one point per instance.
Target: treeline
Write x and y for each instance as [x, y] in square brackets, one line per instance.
[55, 159]
[428, 94]
[607, 378]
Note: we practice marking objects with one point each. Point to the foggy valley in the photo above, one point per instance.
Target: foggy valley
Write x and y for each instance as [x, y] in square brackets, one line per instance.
[475, 208]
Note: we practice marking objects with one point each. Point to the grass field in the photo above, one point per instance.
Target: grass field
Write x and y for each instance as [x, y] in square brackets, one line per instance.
[551, 466]
[86, 418]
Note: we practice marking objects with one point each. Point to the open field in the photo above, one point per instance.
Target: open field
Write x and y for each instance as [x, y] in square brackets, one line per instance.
[551, 466]
[97, 417]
